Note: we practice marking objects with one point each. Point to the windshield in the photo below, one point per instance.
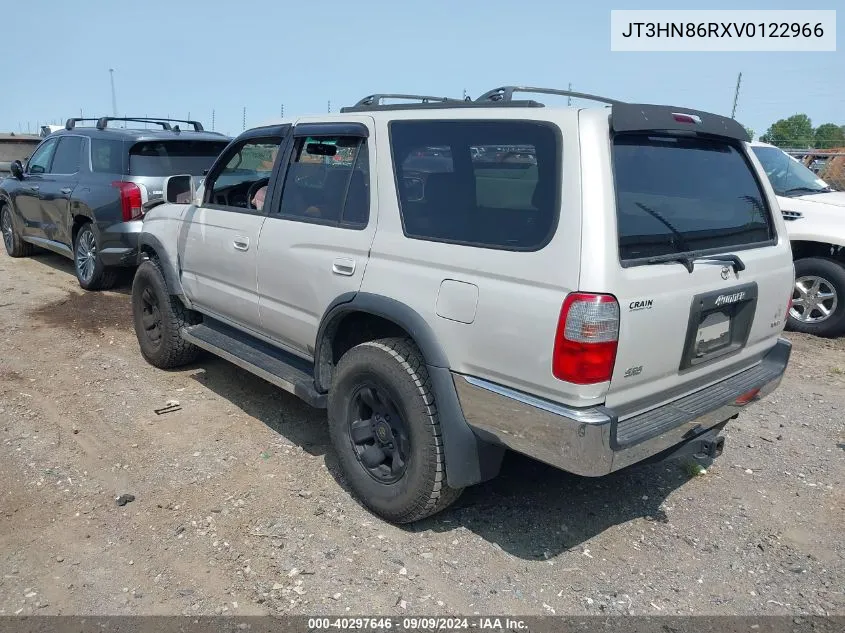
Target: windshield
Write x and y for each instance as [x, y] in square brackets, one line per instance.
[681, 195]
[788, 176]
[167, 158]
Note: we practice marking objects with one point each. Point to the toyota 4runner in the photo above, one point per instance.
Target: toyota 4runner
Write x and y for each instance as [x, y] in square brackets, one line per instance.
[593, 287]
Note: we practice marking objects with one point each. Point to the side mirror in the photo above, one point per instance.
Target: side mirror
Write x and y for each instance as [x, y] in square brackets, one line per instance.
[17, 169]
[179, 189]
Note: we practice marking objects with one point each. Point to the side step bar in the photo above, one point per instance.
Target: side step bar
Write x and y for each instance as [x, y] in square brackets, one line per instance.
[276, 366]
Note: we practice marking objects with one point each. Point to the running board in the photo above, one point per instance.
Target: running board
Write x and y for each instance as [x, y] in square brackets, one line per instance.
[289, 372]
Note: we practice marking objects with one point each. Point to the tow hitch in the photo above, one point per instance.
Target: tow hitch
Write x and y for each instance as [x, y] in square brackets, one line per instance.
[713, 448]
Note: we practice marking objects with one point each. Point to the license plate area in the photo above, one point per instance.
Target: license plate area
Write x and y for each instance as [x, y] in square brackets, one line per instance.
[719, 324]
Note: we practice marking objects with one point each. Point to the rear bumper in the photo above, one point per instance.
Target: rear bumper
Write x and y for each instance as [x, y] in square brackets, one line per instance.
[119, 243]
[594, 441]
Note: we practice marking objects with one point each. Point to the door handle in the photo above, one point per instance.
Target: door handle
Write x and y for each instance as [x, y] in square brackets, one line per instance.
[344, 267]
[241, 243]
[33, 187]
[66, 190]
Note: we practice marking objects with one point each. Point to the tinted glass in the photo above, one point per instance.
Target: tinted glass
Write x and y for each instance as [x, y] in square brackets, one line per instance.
[168, 158]
[107, 156]
[39, 163]
[68, 155]
[787, 175]
[492, 184]
[675, 195]
[328, 180]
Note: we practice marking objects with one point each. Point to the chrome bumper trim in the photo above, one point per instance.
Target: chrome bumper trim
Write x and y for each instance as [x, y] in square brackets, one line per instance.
[582, 441]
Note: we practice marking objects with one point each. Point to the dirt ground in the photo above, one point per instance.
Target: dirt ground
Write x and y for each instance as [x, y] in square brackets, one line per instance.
[238, 507]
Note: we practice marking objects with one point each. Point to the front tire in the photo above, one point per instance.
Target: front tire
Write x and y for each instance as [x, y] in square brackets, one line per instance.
[159, 317]
[87, 262]
[818, 298]
[15, 246]
[386, 432]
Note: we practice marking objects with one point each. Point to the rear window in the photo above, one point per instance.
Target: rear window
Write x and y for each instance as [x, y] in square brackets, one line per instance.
[167, 158]
[492, 184]
[678, 194]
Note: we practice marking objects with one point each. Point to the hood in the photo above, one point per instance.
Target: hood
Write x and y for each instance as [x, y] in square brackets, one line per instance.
[835, 198]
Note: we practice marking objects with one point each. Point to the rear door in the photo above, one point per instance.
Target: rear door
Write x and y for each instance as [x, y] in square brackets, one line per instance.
[219, 244]
[315, 243]
[57, 188]
[698, 262]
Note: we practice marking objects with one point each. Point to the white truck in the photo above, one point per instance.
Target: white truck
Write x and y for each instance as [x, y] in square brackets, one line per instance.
[815, 215]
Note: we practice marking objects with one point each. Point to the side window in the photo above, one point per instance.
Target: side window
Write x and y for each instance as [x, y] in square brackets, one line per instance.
[491, 184]
[328, 181]
[242, 183]
[107, 156]
[68, 155]
[40, 161]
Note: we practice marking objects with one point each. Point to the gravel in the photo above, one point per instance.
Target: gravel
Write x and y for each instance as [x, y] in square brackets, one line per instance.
[240, 507]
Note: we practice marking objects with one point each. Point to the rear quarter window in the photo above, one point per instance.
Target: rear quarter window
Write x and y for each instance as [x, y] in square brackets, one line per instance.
[491, 184]
[679, 194]
[168, 158]
[107, 156]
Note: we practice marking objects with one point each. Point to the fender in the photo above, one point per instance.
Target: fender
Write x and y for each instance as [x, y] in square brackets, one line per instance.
[469, 459]
[171, 274]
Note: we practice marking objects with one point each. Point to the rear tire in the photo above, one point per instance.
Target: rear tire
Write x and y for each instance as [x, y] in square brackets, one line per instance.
[386, 432]
[159, 318]
[15, 246]
[87, 262]
[818, 298]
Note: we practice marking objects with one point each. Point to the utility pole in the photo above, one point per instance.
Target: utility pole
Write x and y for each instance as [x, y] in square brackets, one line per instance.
[569, 99]
[113, 96]
[736, 95]
[244, 121]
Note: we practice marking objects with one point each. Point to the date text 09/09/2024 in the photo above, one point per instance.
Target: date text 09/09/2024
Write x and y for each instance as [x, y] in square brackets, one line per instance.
[416, 624]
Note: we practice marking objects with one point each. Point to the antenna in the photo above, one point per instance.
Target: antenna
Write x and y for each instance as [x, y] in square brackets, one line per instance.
[282, 111]
[212, 120]
[113, 97]
[244, 119]
[330, 106]
[736, 95]
[569, 98]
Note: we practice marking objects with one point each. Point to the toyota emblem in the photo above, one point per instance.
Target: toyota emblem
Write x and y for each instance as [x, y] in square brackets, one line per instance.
[726, 272]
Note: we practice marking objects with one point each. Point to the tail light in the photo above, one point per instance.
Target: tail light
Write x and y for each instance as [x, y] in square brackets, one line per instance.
[587, 338]
[130, 199]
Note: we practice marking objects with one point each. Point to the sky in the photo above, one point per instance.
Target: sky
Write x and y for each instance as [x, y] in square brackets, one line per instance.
[198, 57]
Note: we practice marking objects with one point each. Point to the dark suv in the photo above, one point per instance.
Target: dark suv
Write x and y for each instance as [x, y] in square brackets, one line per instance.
[83, 191]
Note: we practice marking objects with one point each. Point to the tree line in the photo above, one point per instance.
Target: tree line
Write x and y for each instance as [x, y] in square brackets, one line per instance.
[798, 132]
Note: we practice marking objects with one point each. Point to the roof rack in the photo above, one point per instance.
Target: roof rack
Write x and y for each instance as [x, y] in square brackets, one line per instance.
[374, 102]
[102, 122]
[505, 94]
[376, 99]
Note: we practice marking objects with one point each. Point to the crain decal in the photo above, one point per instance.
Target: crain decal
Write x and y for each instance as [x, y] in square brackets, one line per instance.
[645, 304]
[722, 300]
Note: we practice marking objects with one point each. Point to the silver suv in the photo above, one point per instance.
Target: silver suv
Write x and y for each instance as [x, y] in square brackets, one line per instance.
[451, 279]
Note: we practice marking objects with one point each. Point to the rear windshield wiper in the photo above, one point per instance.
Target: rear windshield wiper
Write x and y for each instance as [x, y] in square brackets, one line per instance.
[689, 259]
